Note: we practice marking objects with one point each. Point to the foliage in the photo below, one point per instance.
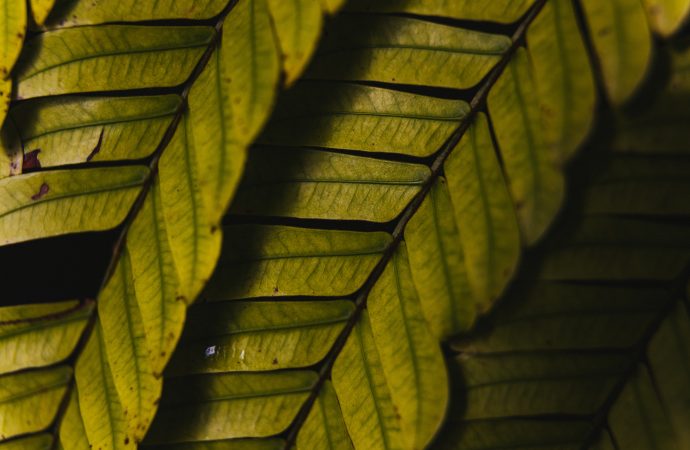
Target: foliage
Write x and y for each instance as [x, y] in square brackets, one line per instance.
[123, 118]
[382, 211]
[591, 347]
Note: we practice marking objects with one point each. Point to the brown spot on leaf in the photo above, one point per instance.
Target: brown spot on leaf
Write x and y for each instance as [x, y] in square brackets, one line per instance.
[275, 361]
[126, 440]
[604, 31]
[31, 161]
[43, 190]
[97, 148]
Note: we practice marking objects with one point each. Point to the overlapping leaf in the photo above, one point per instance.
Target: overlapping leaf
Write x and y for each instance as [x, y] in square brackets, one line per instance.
[13, 29]
[151, 121]
[590, 350]
[357, 157]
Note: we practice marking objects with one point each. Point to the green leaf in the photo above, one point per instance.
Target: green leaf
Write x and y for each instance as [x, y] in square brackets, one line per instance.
[122, 121]
[38, 442]
[77, 13]
[29, 400]
[590, 348]
[364, 118]
[667, 16]
[365, 397]
[251, 336]
[298, 25]
[566, 98]
[71, 130]
[72, 433]
[54, 328]
[535, 183]
[410, 355]
[314, 221]
[388, 124]
[109, 57]
[132, 369]
[324, 428]
[12, 31]
[64, 201]
[229, 405]
[623, 43]
[381, 51]
[317, 185]
[102, 413]
[40, 10]
[293, 261]
[5, 94]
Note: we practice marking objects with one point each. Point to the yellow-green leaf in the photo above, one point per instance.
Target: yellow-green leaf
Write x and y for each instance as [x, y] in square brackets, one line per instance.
[12, 31]
[667, 16]
[29, 400]
[106, 58]
[75, 13]
[249, 67]
[72, 433]
[57, 202]
[324, 428]
[101, 411]
[484, 214]
[410, 355]
[196, 245]
[438, 264]
[40, 10]
[5, 94]
[623, 43]
[297, 24]
[130, 362]
[322, 185]
[228, 406]
[40, 335]
[384, 46]
[246, 336]
[362, 118]
[563, 78]
[38, 442]
[535, 183]
[365, 397]
[293, 261]
[155, 281]
[70, 130]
